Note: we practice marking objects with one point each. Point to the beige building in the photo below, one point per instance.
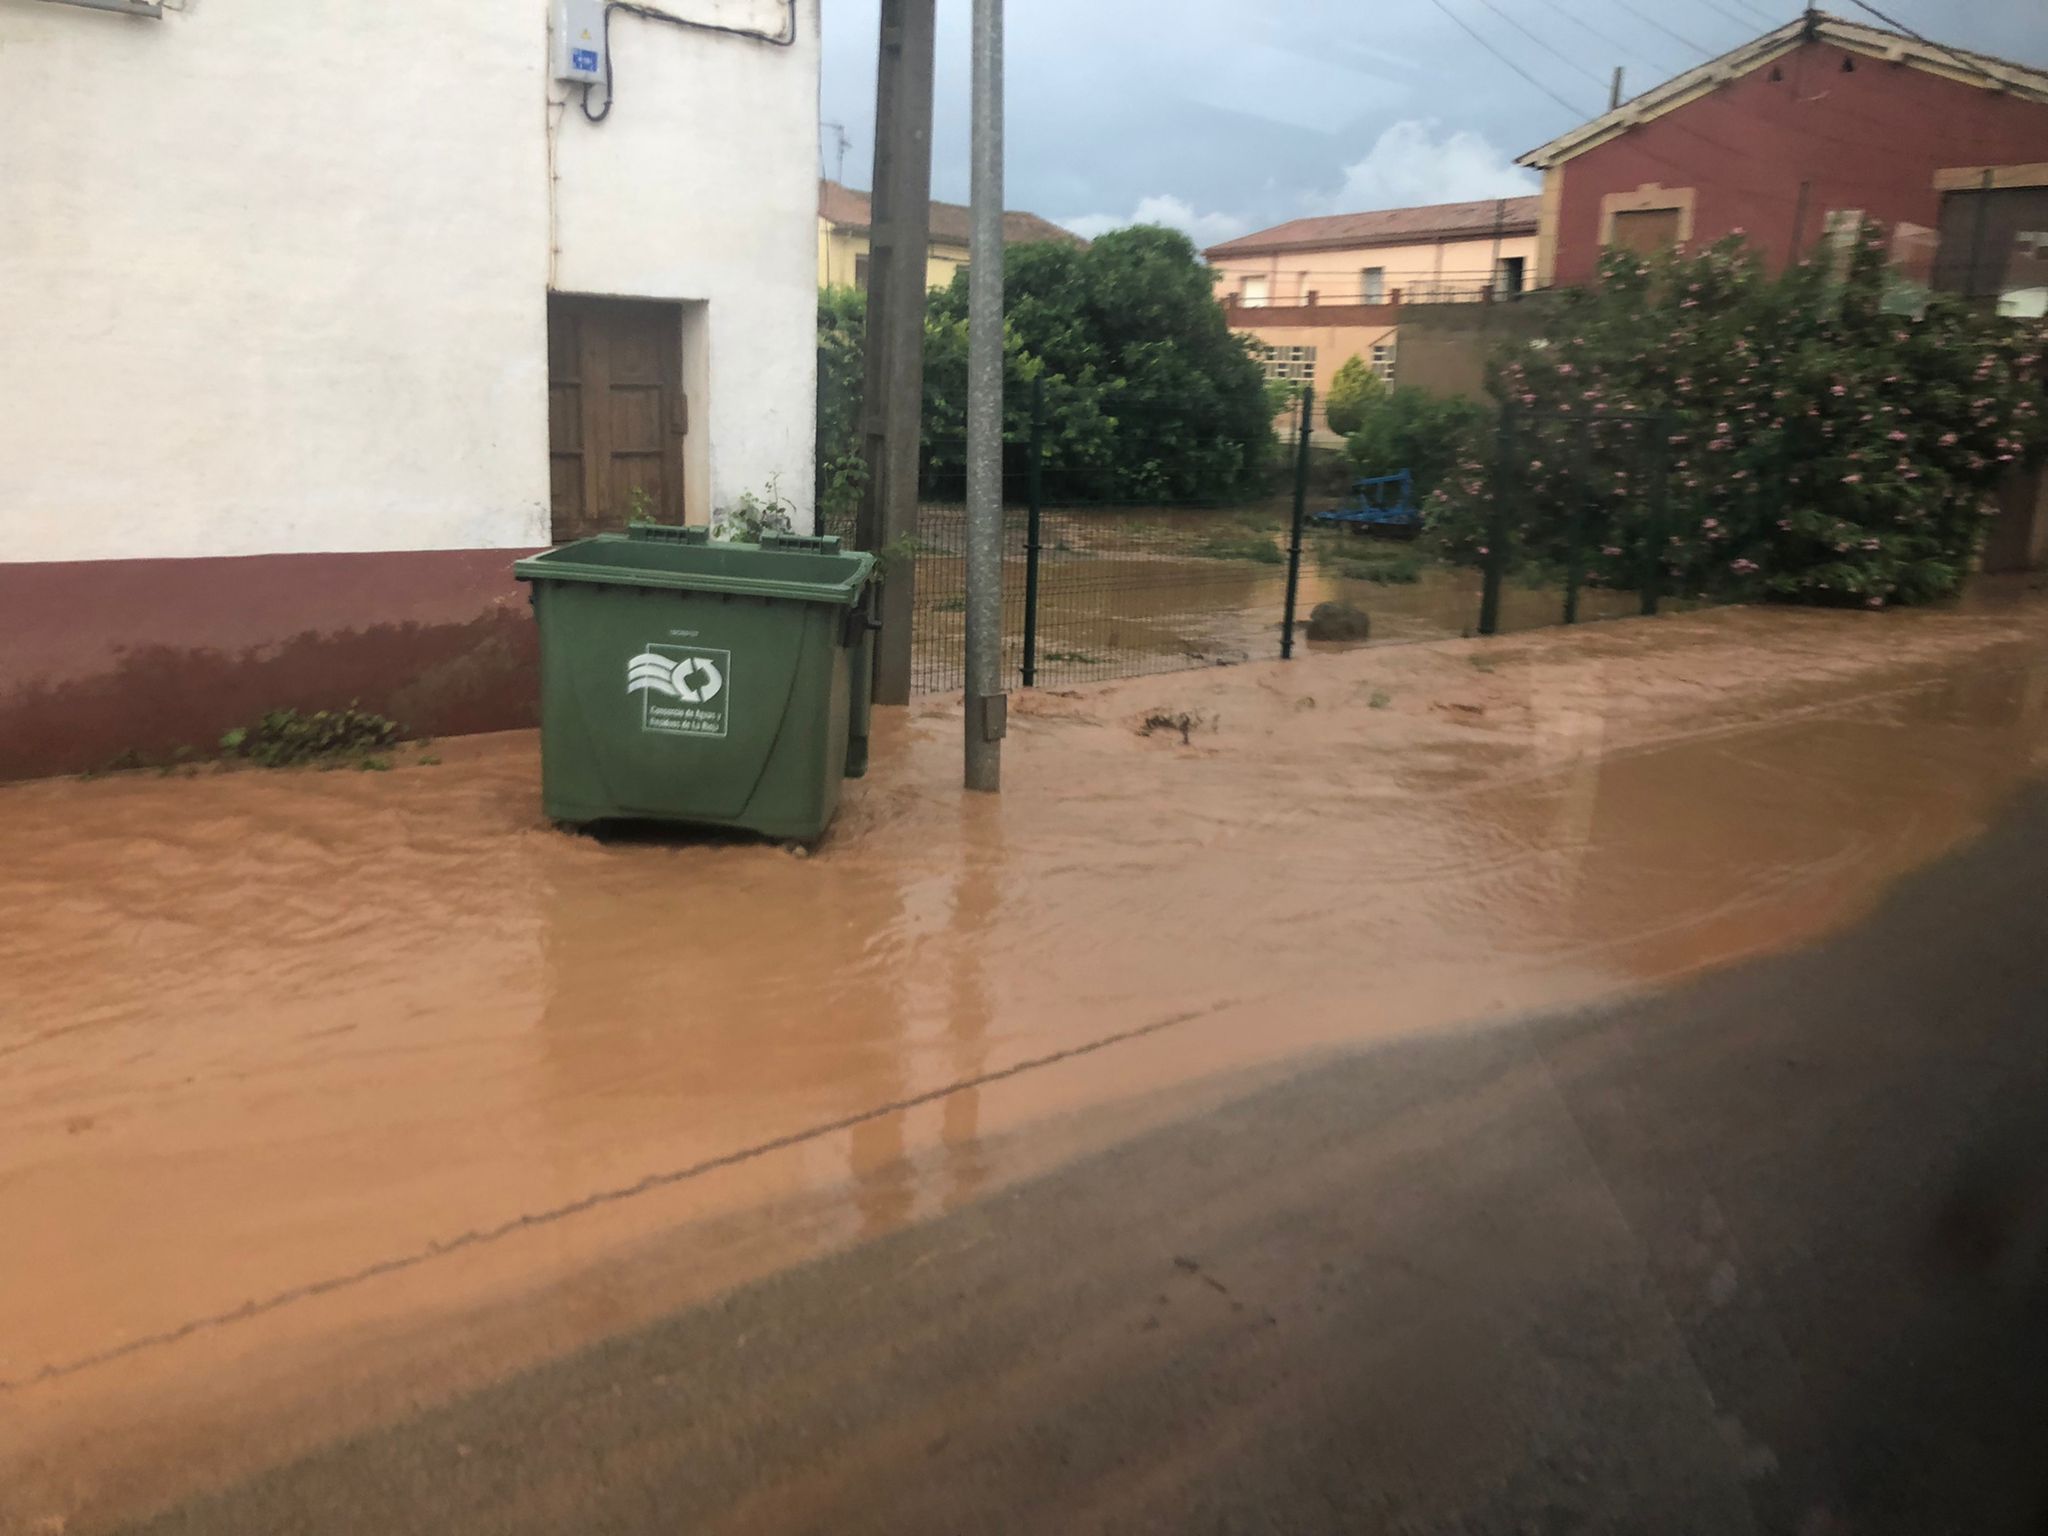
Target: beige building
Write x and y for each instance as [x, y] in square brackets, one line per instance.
[844, 216]
[1318, 292]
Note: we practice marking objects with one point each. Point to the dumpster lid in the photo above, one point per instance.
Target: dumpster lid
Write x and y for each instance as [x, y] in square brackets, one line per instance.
[794, 567]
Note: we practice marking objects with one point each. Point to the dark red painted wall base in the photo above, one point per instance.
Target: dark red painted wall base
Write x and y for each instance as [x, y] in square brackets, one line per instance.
[99, 659]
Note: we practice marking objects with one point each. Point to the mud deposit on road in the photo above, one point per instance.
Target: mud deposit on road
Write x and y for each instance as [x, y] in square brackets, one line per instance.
[324, 1095]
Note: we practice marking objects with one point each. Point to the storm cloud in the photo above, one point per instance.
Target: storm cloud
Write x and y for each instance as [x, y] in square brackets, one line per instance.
[1223, 116]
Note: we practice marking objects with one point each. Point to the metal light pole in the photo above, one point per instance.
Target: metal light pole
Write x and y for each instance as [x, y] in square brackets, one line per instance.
[987, 705]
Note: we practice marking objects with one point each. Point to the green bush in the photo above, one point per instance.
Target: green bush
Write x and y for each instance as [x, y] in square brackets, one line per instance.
[1412, 429]
[1354, 389]
[1812, 445]
[1148, 395]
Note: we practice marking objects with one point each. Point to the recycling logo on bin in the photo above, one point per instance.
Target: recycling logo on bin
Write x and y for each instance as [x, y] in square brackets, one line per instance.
[684, 689]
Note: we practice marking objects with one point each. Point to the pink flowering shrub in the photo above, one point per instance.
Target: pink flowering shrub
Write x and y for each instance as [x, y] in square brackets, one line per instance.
[1808, 444]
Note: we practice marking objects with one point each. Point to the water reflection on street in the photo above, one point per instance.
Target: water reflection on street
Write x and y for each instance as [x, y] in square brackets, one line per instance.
[1127, 591]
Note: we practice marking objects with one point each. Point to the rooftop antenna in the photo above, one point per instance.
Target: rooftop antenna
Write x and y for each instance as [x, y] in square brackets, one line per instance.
[839, 133]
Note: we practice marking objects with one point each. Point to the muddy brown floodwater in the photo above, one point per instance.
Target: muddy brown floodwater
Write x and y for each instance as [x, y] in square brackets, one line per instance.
[1128, 591]
[326, 1095]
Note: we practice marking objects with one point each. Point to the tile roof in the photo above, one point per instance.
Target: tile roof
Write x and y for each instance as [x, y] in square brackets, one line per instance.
[950, 221]
[1388, 226]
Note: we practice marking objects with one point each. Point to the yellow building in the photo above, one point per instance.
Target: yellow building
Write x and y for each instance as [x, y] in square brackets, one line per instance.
[1317, 292]
[844, 216]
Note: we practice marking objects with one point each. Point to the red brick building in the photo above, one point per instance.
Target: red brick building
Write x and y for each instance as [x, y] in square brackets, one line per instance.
[1821, 119]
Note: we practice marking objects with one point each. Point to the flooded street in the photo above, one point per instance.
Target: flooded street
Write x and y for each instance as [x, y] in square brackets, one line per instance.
[326, 1097]
[1130, 591]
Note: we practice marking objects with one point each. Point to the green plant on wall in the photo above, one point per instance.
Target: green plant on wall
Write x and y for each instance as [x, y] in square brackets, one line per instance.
[755, 513]
[284, 738]
[842, 470]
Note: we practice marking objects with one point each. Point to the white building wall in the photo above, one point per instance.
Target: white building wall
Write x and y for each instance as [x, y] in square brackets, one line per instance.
[273, 276]
[702, 184]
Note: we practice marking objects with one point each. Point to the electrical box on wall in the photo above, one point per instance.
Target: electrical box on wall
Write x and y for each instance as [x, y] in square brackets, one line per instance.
[579, 41]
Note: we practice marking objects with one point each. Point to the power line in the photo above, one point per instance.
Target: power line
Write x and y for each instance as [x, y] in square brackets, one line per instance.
[1653, 21]
[1480, 39]
[1566, 58]
[1603, 39]
[1739, 20]
[1668, 119]
[1752, 14]
[1925, 42]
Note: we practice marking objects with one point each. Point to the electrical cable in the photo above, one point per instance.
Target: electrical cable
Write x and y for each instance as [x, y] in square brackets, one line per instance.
[1607, 42]
[1861, 145]
[1739, 20]
[1898, 26]
[1730, 152]
[1480, 39]
[1565, 58]
[784, 38]
[1653, 21]
[1726, 149]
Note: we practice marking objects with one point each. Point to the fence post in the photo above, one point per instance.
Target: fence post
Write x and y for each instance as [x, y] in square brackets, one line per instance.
[1308, 416]
[1033, 542]
[1660, 514]
[1497, 525]
[1581, 482]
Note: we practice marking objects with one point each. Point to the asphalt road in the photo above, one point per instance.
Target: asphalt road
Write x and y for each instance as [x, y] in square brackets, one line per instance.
[1762, 1254]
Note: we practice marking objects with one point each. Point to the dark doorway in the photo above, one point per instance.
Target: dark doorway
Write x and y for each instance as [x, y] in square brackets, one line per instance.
[616, 413]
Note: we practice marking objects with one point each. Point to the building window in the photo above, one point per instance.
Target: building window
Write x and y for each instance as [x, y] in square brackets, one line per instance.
[1507, 281]
[1648, 221]
[1383, 361]
[1255, 293]
[1295, 363]
[1646, 231]
[860, 272]
[1373, 284]
[2024, 295]
[1992, 244]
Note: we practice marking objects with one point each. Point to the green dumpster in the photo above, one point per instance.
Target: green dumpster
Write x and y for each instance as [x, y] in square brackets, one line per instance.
[687, 680]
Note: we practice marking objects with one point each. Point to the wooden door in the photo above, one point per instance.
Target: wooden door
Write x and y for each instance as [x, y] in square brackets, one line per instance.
[616, 413]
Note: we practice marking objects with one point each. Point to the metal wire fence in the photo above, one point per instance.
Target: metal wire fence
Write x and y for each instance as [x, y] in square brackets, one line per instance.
[1110, 591]
[1097, 588]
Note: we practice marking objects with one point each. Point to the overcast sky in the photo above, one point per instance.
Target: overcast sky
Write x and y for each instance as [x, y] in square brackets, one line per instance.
[1224, 116]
